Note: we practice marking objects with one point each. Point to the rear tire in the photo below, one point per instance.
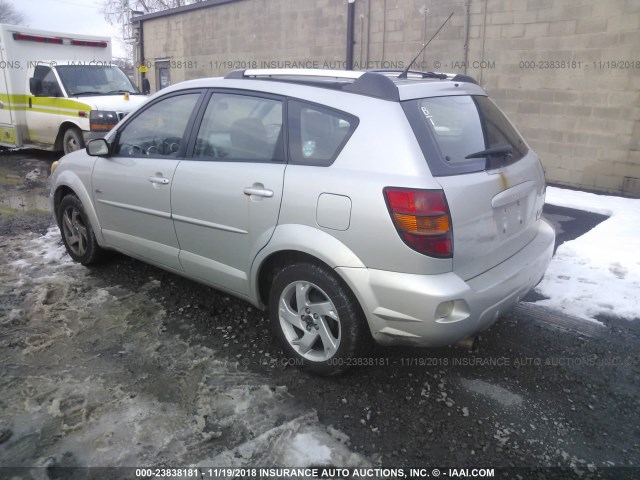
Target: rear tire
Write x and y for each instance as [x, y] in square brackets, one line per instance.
[72, 140]
[317, 319]
[77, 233]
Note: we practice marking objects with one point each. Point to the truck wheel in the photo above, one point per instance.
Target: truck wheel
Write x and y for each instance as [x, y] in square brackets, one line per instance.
[77, 233]
[317, 319]
[72, 140]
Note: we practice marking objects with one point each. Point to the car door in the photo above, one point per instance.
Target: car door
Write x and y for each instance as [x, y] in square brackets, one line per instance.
[43, 110]
[226, 198]
[6, 101]
[132, 187]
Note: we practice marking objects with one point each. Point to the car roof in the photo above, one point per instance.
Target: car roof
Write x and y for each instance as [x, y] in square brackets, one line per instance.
[390, 85]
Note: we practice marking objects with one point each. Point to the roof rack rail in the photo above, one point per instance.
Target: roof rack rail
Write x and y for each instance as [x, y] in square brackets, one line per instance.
[371, 84]
[295, 72]
[441, 76]
[456, 77]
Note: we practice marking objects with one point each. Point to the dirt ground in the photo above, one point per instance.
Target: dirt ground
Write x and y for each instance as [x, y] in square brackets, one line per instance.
[124, 364]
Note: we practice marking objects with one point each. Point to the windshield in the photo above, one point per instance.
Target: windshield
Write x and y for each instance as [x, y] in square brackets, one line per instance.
[458, 129]
[94, 80]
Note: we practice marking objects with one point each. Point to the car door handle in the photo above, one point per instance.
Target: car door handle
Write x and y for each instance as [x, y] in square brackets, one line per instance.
[159, 180]
[260, 192]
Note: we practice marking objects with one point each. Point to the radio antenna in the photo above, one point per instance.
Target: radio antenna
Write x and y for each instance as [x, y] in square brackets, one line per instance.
[405, 72]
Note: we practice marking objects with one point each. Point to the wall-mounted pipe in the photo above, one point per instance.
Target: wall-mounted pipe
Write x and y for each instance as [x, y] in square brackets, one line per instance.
[351, 15]
[368, 31]
[140, 43]
[384, 26]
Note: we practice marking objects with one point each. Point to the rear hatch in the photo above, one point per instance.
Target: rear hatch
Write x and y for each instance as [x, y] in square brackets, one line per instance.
[493, 183]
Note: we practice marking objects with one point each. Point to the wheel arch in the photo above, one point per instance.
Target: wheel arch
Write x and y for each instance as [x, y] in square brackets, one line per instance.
[355, 335]
[270, 265]
[64, 126]
[294, 243]
[67, 184]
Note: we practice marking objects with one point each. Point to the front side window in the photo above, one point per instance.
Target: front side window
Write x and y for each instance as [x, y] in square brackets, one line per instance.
[241, 128]
[460, 127]
[50, 86]
[317, 134]
[158, 131]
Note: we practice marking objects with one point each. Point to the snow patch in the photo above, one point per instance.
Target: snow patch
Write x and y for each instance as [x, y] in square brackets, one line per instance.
[33, 175]
[92, 380]
[599, 272]
[495, 392]
[50, 247]
[308, 449]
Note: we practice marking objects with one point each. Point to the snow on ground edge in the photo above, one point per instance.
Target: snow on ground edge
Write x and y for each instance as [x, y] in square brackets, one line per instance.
[599, 272]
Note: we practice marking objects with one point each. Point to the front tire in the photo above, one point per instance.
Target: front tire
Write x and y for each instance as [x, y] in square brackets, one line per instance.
[77, 233]
[72, 140]
[316, 318]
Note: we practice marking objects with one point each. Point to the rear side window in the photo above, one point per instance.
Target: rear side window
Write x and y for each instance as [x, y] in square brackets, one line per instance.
[317, 134]
[241, 128]
[452, 128]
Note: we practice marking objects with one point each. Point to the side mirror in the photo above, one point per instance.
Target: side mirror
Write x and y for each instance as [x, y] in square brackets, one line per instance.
[35, 86]
[98, 147]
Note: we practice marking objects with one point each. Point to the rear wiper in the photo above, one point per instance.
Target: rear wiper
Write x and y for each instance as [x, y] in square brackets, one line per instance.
[499, 151]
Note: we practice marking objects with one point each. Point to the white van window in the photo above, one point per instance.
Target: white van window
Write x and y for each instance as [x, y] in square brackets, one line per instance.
[94, 80]
[50, 86]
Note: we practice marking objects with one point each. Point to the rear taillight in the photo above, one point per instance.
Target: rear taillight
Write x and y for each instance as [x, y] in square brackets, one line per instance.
[422, 219]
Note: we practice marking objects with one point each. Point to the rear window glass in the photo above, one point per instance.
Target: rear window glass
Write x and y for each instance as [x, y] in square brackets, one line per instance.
[451, 128]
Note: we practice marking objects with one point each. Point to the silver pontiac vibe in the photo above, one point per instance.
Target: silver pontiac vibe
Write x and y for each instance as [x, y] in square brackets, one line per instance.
[354, 206]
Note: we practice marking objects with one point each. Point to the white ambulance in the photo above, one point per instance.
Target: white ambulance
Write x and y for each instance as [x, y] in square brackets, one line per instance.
[58, 90]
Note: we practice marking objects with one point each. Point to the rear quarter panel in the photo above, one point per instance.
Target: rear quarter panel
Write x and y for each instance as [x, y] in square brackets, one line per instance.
[381, 152]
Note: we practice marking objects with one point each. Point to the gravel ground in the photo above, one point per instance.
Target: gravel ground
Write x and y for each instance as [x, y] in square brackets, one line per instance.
[536, 391]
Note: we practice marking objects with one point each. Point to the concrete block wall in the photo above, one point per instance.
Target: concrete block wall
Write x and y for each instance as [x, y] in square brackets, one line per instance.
[390, 33]
[247, 34]
[567, 72]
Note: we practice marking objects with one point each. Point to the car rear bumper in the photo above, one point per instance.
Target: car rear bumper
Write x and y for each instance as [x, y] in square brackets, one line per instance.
[437, 310]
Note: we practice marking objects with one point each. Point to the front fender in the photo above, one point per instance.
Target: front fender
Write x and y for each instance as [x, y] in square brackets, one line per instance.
[77, 179]
[81, 123]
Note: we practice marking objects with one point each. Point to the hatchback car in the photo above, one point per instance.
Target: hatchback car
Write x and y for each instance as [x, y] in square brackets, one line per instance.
[401, 207]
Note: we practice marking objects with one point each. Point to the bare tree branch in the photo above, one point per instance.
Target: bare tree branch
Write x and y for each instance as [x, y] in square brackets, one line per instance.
[119, 11]
[10, 14]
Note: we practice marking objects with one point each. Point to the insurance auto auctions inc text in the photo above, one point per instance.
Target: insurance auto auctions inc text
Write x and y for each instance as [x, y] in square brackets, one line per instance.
[340, 473]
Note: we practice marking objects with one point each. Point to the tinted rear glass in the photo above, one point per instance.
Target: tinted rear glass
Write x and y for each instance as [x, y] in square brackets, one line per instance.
[450, 128]
[317, 134]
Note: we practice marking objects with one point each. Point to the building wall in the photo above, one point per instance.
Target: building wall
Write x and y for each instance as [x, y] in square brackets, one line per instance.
[247, 34]
[567, 72]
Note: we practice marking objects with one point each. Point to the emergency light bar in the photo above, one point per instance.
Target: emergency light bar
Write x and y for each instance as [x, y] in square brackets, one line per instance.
[88, 43]
[60, 41]
[34, 38]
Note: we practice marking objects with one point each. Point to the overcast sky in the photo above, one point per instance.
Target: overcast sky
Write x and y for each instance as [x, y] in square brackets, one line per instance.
[70, 16]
